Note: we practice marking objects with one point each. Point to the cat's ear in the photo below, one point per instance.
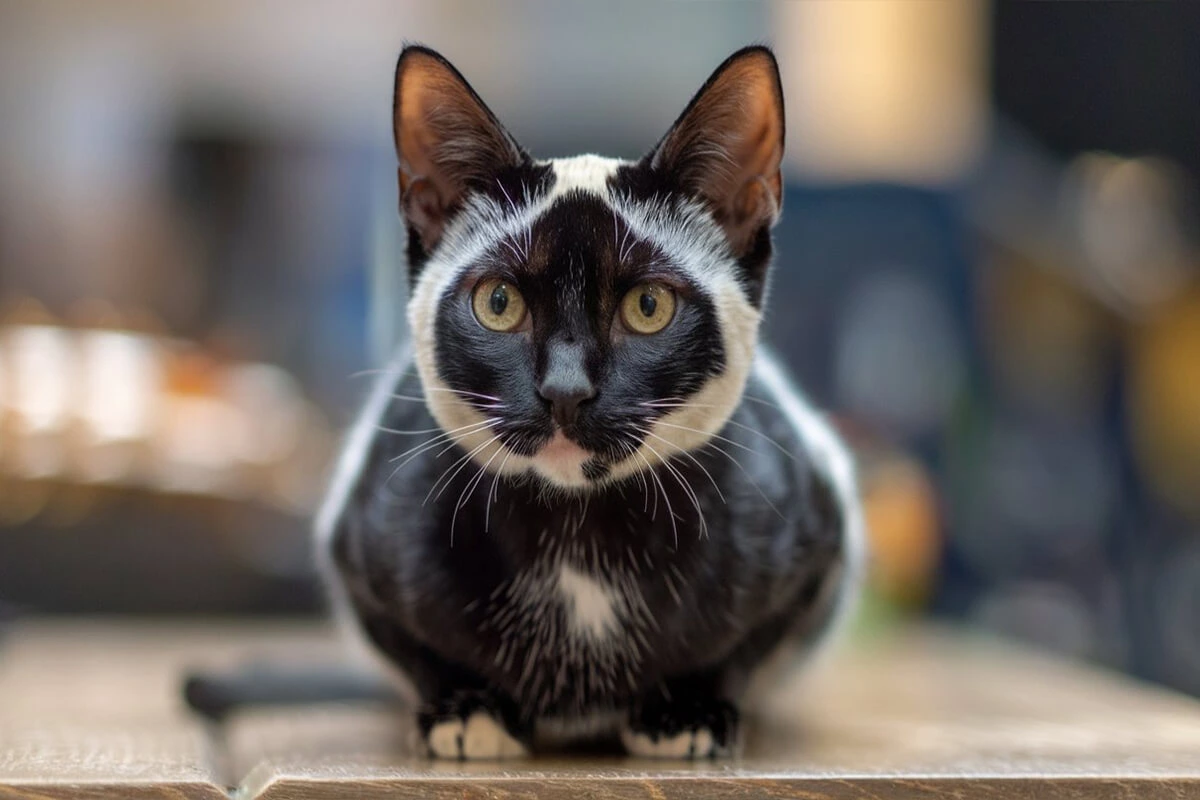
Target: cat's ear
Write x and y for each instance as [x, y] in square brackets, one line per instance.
[448, 142]
[727, 145]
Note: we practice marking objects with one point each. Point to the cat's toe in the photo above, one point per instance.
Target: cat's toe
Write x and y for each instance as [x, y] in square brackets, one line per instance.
[480, 736]
[698, 743]
[445, 738]
[700, 729]
[486, 737]
[466, 728]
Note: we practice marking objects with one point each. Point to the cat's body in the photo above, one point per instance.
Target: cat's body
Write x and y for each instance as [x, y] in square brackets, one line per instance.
[574, 520]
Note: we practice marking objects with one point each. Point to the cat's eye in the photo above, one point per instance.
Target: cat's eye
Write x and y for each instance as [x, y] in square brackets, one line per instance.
[498, 305]
[648, 308]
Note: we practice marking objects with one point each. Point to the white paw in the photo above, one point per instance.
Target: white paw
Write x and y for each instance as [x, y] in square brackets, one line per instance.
[480, 737]
[697, 743]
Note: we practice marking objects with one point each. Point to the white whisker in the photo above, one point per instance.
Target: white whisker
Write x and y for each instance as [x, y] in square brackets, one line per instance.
[399, 432]
[626, 452]
[744, 472]
[465, 393]
[670, 403]
[637, 444]
[450, 434]
[666, 499]
[631, 448]
[722, 438]
[492, 492]
[464, 461]
[685, 485]
[776, 444]
[468, 490]
[695, 461]
[426, 446]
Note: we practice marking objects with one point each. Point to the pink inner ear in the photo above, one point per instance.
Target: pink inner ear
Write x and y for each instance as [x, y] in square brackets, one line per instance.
[422, 85]
[446, 140]
[728, 146]
[746, 118]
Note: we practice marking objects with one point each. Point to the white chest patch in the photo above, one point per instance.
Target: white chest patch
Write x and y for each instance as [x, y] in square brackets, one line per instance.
[571, 626]
[591, 606]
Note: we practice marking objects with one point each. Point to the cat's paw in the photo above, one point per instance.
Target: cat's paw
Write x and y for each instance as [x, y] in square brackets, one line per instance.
[469, 726]
[690, 729]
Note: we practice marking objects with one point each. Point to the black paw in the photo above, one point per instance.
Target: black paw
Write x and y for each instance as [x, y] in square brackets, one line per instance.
[686, 727]
[471, 725]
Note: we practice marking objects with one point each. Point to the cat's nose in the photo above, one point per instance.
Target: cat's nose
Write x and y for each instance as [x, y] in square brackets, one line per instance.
[566, 384]
[565, 398]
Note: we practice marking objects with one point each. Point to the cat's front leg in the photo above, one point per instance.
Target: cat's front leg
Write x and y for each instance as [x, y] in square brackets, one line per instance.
[459, 716]
[471, 724]
[684, 719]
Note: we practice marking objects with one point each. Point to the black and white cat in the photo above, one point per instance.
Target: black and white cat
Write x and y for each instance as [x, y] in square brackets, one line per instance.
[615, 509]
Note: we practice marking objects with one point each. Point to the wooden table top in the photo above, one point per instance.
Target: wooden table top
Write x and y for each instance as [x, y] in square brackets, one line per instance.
[93, 710]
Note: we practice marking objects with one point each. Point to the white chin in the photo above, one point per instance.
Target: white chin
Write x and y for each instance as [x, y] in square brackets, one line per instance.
[561, 461]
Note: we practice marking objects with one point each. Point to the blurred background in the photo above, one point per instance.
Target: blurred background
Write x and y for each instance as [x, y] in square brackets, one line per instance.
[987, 270]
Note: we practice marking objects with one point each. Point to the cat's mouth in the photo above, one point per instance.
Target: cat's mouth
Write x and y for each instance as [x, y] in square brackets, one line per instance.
[562, 460]
[561, 448]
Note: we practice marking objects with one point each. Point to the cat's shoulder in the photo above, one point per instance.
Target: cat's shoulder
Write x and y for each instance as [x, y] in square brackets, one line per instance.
[772, 388]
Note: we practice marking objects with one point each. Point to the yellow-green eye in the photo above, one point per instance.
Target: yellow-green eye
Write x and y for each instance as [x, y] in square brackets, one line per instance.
[648, 308]
[498, 305]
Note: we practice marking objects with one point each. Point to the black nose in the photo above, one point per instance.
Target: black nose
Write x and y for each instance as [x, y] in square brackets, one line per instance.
[565, 385]
[565, 399]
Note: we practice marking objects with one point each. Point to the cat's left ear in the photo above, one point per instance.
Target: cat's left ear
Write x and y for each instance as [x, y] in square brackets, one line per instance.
[727, 146]
[447, 140]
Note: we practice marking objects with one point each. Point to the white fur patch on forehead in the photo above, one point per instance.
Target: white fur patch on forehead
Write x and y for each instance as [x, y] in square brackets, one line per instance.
[589, 173]
[485, 222]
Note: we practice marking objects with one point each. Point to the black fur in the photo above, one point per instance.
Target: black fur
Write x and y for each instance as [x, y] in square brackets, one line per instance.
[709, 561]
[715, 605]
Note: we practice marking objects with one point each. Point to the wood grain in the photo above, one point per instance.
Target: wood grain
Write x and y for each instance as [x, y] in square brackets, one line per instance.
[923, 714]
[92, 711]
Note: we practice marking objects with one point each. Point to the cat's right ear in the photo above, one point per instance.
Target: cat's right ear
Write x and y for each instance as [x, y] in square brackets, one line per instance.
[447, 141]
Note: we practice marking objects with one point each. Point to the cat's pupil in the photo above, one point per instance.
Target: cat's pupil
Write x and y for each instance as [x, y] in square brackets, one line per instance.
[498, 302]
[647, 304]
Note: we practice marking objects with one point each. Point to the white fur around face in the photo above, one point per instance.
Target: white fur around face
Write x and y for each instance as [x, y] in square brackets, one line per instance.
[687, 233]
[480, 737]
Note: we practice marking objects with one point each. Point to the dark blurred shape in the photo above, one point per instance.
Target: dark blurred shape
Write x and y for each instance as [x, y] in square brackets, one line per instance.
[258, 685]
[1120, 77]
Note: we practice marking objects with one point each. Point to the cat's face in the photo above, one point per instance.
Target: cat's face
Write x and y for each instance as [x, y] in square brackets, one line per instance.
[583, 318]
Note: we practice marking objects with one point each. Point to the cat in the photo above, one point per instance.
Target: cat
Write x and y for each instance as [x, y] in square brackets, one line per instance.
[582, 503]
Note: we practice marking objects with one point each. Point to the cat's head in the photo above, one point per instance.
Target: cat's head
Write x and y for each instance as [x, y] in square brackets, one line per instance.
[582, 318]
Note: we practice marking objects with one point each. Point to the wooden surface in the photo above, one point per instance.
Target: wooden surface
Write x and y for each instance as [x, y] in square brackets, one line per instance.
[92, 710]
